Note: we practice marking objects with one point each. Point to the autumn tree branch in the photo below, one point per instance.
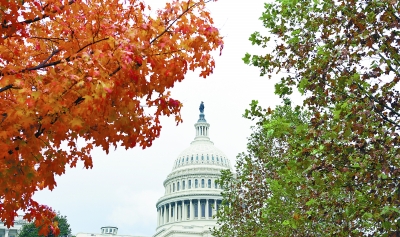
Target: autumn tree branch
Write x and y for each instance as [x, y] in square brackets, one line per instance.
[173, 22]
[44, 64]
[6, 88]
[38, 18]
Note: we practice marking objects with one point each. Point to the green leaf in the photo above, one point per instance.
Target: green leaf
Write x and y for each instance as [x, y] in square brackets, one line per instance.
[311, 202]
[246, 58]
[302, 85]
[286, 222]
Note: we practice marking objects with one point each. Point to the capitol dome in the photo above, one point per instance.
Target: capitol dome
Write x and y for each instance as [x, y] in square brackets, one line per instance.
[192, 195]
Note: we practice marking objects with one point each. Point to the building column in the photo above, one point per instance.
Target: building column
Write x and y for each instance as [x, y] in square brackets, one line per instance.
[215, 206]
[191, 209]
[206, 209]
[158, 217]
[165, 214]
[180, 211]
[176, 212]
[184, 215]
[198, 209]
[169, 213]
[186, 210]
[6, 232]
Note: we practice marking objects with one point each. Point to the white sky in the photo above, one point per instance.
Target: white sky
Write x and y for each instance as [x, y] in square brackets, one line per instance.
[123, 187]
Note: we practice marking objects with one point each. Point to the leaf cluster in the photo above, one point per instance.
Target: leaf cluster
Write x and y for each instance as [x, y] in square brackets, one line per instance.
[99, 71]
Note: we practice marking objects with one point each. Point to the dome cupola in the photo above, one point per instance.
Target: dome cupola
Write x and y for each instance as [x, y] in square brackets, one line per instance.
[201, 150]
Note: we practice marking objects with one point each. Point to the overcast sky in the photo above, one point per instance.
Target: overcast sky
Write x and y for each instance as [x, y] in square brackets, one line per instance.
[123, 187]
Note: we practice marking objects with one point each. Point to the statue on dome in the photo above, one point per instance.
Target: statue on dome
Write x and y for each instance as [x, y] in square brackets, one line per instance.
[201, 108]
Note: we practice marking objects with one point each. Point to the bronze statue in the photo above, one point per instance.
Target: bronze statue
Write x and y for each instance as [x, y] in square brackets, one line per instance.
[201, 108]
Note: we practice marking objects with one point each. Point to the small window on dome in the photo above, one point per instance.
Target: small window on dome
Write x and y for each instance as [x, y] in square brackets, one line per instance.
[202, 157]
[197, 157]
[217, 158]
[192, 158]
[209, 183]
[173, 189]
[207, 158]
[187, 158]
[183, 185]
[215, 184]
[212, 157]
[202, 183]
[196, 183]
[183, 159]
[190, 184]
[177, 186]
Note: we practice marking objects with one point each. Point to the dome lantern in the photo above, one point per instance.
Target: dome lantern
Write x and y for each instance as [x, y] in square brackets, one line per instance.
[202, 127]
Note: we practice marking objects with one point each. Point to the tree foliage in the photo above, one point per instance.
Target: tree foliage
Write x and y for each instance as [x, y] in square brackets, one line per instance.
[30, 229]
[340, 176]
[98, 70]
[260, 174]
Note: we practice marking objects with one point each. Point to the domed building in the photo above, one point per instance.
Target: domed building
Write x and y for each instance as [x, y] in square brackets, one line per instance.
[192, 195]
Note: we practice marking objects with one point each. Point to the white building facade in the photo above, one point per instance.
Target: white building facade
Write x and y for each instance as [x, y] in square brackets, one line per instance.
[13, 231]
[192, 195]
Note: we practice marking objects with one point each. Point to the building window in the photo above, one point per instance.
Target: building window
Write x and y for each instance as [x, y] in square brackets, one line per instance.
[190, 184]
[196, 183]
[203, 209]
[209, 183]
[197, 157]
[207, 158]
[215, 184]
[172, 211]
[187, 158]
[209, 209]
[192, 158]
[177, 187]
[202, 183]
[183, 185]
[202, 157]
[173, 187]
[212, 157]
[196, 209]
[188, 211]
